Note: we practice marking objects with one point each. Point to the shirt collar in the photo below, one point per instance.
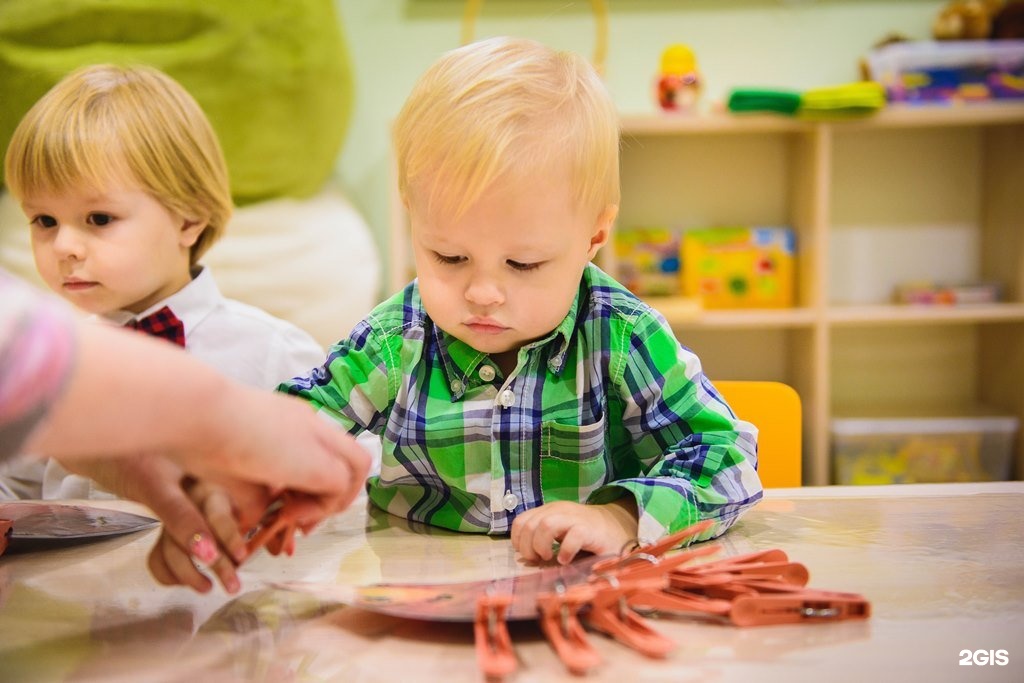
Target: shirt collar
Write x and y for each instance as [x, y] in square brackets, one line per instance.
[192, 303]
[461, 361]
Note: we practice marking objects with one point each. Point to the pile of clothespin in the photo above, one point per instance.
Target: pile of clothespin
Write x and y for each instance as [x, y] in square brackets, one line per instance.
[757, 589]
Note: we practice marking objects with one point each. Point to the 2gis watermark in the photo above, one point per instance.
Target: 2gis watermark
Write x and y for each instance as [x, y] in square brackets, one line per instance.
[984, 657]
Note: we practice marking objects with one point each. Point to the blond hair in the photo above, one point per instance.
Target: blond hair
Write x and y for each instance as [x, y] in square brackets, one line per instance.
[104, 123]
[506, 108]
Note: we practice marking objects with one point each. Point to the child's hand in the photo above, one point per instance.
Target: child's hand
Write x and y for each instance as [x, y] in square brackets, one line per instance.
[600, 529]
[215, 542]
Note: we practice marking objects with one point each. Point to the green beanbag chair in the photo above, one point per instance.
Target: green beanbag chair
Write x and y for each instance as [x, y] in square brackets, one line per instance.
[273, 76]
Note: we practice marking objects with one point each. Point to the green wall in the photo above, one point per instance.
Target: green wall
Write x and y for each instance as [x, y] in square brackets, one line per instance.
[794, 44]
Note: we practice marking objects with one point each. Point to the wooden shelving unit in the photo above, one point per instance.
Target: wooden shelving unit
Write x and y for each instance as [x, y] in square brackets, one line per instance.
[901, 169]
[961, 165]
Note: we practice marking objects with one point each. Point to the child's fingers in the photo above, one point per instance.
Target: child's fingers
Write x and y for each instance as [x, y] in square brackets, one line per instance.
[572, 543]
[523, 531]
[544, 536]
[534, 539]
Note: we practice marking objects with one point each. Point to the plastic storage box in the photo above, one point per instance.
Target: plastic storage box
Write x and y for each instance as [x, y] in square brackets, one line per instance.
[922, 450]
[948, 71]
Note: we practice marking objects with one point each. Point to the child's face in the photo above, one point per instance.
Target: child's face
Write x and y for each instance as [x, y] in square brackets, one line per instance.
[110, 250]
[506, 272]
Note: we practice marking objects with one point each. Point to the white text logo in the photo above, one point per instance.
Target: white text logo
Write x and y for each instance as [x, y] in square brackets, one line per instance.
[984, 657]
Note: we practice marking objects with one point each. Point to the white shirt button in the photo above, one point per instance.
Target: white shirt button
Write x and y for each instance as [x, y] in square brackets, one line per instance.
[456, 386]
[510, 501]
[486, 373]
[507, 398]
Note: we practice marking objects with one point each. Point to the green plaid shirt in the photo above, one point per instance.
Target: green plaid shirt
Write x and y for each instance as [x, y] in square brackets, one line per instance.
[607, 404]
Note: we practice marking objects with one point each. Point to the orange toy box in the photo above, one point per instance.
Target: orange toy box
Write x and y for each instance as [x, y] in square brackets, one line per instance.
[740, 267]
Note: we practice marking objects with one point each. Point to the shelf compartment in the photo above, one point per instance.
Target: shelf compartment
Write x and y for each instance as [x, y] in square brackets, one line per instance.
[894, 314]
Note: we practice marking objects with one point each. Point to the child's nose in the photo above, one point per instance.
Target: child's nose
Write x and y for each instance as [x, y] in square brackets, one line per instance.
[68, 243]
[484, 290]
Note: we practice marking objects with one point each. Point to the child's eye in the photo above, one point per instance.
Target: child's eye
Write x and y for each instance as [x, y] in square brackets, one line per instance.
[516, 265]
[100, 218]
[449, 260]
[44, 221]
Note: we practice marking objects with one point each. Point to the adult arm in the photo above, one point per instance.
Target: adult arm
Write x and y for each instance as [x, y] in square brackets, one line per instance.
[127, 394]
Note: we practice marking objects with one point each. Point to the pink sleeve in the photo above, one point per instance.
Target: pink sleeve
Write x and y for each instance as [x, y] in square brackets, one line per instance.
[37, 350]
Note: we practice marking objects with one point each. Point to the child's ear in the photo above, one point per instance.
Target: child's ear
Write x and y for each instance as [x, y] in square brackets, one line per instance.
[603, 228]
[191, 229]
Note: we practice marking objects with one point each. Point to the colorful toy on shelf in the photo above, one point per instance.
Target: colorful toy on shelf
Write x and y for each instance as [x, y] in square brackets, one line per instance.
[740, 267]
[954, 71]
[648, 260]
[843, 101]
[928, 293]
[679, 82]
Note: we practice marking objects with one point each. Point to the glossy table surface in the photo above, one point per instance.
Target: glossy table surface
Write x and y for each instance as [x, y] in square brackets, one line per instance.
[943, 566]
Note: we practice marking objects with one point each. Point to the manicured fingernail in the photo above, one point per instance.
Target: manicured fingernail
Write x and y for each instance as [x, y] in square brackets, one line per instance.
[203, 549]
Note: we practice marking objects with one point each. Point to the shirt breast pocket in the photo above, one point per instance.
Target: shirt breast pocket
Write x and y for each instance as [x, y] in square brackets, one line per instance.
[572, 461]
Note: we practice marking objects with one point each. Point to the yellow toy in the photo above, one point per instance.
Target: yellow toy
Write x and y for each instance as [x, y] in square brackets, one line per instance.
[739, 267]
[679, 83]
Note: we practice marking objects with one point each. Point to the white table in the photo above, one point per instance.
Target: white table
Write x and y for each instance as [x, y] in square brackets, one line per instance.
[943, 566]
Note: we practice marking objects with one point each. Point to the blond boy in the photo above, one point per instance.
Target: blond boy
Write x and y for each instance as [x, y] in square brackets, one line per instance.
[125, 187]
[517, 388]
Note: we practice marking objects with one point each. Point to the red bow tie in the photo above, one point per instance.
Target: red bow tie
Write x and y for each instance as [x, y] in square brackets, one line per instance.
[163, 324]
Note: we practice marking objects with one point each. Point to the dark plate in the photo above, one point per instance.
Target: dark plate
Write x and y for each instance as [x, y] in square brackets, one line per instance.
[45, 525]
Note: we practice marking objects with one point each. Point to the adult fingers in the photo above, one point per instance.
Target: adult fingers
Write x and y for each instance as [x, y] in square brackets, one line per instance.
[191, 541]
[220, 515]
[187, 571]
[171, 566]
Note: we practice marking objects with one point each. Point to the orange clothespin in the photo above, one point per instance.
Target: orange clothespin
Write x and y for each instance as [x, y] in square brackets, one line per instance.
[788, 573]
[679, 603]
[639, 565]
[610, 613]
[797, 607]
[291, 511]
[654, 549]
[560, 624]
[490, 629]
[773, 555]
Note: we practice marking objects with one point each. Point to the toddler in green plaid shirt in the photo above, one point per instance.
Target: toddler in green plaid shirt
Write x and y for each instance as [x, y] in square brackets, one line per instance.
[515, 386]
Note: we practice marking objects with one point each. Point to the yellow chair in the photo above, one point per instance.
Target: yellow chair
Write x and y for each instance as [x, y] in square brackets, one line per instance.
[774, 408]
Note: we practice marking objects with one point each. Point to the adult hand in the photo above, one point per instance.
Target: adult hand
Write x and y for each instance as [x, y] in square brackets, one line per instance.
[273, 439]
